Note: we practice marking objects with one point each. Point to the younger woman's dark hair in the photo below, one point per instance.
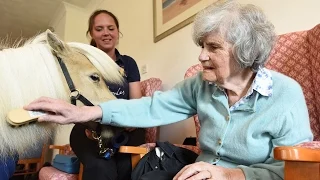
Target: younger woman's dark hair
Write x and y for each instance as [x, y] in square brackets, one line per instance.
[91, 22]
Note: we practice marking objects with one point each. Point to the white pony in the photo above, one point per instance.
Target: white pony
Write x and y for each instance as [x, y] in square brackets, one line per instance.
[32, 71]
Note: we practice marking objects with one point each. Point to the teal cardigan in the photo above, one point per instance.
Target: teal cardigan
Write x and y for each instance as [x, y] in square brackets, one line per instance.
[243, 138]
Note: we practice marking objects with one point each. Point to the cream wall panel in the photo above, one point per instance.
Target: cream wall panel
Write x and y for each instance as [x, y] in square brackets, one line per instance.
[58, 22]
[290, 15]
[72, 25]
[77, 22]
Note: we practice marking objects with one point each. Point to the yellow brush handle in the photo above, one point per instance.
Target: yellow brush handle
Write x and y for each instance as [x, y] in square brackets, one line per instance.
[20, 116]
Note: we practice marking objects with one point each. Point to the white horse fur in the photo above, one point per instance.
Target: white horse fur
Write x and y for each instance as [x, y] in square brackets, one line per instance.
[32, 71]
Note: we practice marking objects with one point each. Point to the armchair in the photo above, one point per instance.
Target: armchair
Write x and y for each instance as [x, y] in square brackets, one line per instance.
[148, 87]
[297, 55]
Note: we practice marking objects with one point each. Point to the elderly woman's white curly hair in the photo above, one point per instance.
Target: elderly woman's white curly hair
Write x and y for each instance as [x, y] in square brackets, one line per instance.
[244, 26]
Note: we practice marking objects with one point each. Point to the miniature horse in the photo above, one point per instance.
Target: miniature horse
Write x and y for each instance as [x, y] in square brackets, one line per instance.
[32, 70]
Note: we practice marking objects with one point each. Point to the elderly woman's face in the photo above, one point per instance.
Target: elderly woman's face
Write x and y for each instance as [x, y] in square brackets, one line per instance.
[217, 60]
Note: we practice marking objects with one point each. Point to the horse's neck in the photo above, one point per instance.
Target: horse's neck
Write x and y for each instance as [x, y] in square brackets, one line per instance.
[26, 73]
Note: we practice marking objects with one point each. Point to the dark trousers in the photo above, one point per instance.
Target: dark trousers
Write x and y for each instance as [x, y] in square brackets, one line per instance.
[116, 168]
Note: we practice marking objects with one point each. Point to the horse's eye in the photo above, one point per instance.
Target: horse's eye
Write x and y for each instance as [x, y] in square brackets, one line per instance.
[95, 77]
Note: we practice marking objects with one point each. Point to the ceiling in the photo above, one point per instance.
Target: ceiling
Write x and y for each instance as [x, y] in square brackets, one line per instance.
[26, 18]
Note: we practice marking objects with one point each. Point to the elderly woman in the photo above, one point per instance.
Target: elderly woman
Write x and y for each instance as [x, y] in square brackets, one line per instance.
[245, 110]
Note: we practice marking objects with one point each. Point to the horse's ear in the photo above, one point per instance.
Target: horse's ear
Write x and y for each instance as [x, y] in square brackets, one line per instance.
[55, 43]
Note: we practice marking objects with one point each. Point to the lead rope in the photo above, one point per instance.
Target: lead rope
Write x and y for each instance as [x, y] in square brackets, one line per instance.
[103, 152]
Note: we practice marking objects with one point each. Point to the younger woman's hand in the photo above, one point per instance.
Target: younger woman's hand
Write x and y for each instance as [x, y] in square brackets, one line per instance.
[89, 134]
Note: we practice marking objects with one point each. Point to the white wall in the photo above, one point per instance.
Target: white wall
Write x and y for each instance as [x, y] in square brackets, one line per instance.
[59, 21]
[70, 24]
[290, 15]
[169, 58]
[77, 23]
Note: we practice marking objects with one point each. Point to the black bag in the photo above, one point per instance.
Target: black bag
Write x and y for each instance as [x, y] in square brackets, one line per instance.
[172, 159]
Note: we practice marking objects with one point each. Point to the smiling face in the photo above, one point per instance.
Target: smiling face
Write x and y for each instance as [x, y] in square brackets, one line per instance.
[219, 65]
[105, 32]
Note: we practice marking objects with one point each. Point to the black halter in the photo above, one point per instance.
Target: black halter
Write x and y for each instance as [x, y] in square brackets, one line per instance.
[76, 95]
[95, 127]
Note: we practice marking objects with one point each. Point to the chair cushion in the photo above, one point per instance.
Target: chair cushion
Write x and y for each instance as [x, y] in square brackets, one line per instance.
[313, 38]
[148, 87]
[51, 173]
[192, 71]
[310, 145]
[291, 56]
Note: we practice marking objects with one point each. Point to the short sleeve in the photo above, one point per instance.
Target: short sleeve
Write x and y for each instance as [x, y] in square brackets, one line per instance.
[133, 71]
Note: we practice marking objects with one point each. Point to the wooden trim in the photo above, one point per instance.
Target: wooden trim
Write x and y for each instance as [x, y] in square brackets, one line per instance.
[298, 170]
[80, 172]
[133, 150]
[292, 153]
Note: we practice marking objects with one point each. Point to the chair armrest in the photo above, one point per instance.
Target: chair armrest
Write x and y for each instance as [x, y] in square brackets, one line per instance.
[63, 149]
[309, 151]
[292, 153]
[136, 153]
[145, 148]
[29, 161]
[133, 150]
[300, 162]
[195, 149]
[57, 147]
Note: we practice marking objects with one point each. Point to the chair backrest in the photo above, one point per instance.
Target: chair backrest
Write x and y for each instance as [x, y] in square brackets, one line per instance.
[31, 165]
[50, 172]
[193, 70]
[148, 87]
[297, 55]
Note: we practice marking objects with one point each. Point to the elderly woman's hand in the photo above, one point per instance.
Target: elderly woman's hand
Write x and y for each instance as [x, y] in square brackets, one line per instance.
[62, 112]
[203, 170]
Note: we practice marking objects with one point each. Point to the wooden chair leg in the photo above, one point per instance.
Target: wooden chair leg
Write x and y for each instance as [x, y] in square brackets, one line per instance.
[80, 172]
[136, 153]
[300, 170]
[135, 158]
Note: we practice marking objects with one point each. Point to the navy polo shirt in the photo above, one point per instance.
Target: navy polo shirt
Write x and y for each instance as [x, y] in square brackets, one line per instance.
[131, 74]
